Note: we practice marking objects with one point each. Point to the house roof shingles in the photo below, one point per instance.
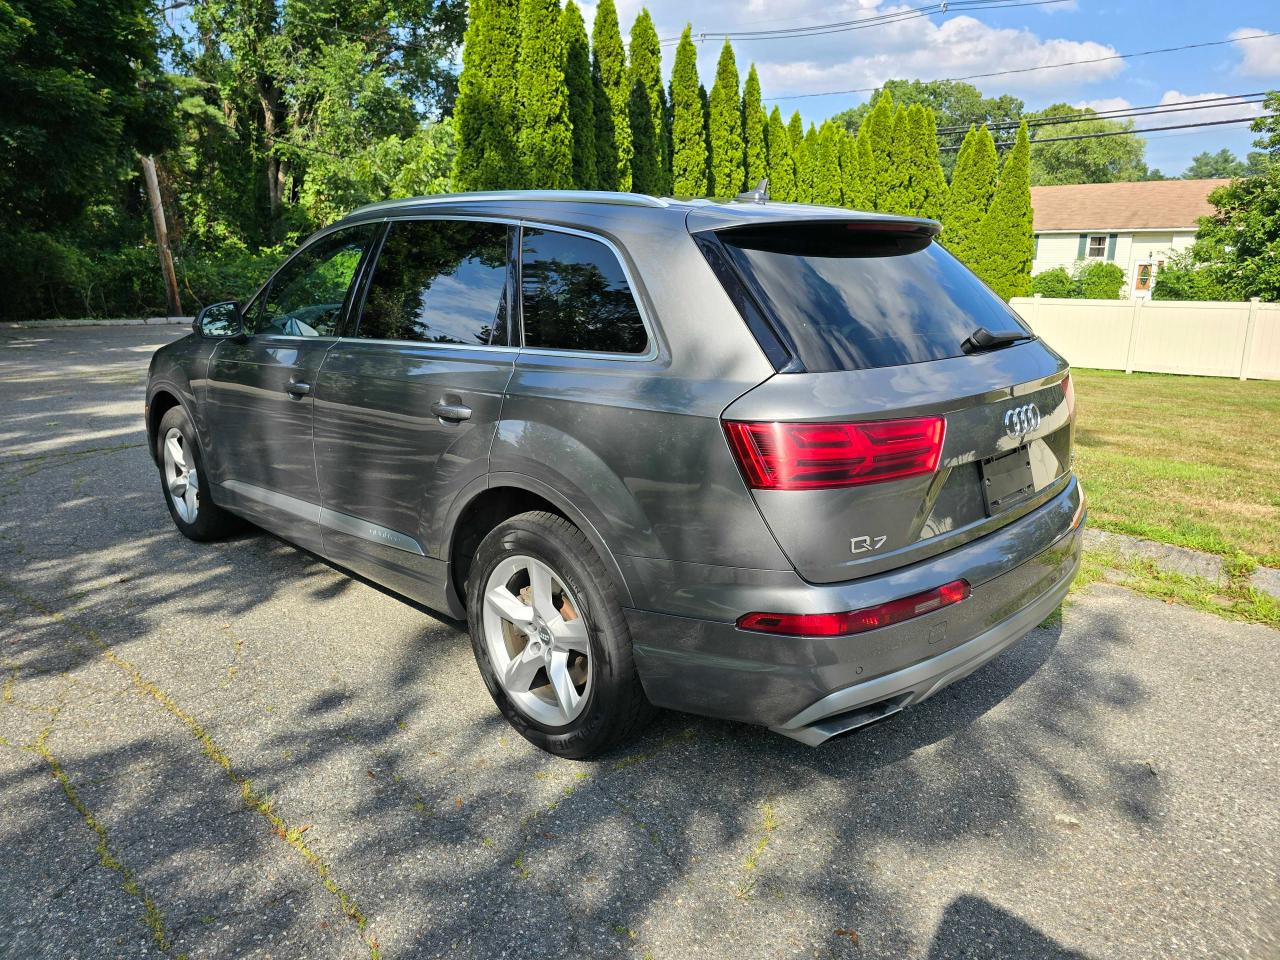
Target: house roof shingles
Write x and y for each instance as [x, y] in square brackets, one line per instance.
[1148, 205]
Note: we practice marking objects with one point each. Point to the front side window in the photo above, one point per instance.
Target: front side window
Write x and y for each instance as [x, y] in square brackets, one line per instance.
[576, 296]
[306, 295]
[440, 281]
[1097, 248]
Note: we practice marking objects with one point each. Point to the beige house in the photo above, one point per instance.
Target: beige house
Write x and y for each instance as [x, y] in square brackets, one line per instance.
[1134, 225]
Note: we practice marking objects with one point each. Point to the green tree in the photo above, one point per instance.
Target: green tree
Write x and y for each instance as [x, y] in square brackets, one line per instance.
[688, 132]
[754, 125]
[802, 191]
[546, 136]
[1110, 159]
[894, 186]
[880, 138]
[705, 99]
[956, 106]
[932, 181]
[487, 124]
[83, 93]
[647, 107]
[578, 85]
[727, 171]
[1211, 166]
[972, 186]
[828, 187]
[1006, 242]
[805, 151]
[609, 67]
[1239, 246]
[782, 166]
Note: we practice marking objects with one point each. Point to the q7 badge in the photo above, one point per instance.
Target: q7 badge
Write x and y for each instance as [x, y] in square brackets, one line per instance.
[863, 544]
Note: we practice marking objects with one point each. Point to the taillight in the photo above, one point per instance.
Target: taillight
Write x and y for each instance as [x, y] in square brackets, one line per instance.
[1069, 394]
[812, 456]
[856, 621]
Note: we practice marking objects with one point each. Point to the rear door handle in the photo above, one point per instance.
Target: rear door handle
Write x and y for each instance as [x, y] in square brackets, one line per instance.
[297, 389]
[451, 411]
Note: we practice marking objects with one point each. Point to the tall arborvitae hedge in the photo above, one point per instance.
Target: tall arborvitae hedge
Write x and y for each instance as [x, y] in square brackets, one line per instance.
[546, 136]
[782, 165]
[828, 186]
[485, 114]
[609, 67]
[972, 184]
[1006, 242]
[800, 157]
[933, 182]
[647, 107]
[879, 124]
[727, 171]
[577, 80]
[606, 146]
[852, 178]
[754, 123]
[705, 99]
[807, 176]
[894, 189]
[688, 133]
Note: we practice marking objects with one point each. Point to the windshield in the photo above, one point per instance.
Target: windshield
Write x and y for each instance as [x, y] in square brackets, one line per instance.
[849, 296]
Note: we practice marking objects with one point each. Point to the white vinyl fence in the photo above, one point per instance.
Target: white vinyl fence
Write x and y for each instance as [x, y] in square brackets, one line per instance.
[1162, 336]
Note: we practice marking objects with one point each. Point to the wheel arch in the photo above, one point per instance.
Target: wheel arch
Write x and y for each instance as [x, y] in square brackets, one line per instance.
[161, 401]
[506, 495]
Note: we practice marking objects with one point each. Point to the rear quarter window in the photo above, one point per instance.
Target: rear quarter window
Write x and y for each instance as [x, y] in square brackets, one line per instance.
[850, 298]
[575, 296]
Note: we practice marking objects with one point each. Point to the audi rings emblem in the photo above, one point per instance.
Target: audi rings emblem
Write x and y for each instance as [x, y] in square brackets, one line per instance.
[1022, 420]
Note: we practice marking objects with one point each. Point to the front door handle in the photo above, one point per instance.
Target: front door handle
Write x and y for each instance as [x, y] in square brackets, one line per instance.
[297, 389]
[451, 411]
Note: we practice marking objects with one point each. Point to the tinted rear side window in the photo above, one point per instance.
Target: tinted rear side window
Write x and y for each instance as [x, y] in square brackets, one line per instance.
[576, 297]
[440, 281]
[849, 298]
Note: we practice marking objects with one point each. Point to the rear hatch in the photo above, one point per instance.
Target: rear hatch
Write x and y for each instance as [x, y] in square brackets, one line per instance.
[885, 438]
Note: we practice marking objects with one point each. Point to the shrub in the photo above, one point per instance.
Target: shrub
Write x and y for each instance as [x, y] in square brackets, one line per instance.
[1054, 283]
[1100, 280]
[1183, 279]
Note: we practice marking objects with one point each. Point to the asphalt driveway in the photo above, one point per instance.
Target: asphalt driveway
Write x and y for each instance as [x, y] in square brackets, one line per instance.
[237, 750]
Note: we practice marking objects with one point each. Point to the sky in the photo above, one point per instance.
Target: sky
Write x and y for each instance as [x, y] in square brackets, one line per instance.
[964, 42]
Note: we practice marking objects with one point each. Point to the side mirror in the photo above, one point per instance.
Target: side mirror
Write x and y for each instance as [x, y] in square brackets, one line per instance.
[219, 320]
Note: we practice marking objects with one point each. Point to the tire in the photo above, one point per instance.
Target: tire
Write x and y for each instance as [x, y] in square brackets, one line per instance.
[539, 646]
[192, 508]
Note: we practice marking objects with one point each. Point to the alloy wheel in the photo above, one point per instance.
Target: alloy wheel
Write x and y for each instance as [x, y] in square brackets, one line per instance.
[537, 640]
[180, 476]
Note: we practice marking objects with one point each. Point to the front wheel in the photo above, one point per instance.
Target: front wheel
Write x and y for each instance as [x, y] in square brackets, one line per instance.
[182, 479]
[550, 638]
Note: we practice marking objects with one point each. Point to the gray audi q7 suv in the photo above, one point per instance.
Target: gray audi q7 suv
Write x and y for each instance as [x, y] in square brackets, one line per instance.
[785, 464]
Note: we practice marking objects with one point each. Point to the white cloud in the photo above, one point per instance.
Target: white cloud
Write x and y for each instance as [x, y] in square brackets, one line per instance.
[920, 47]
[1258, 58]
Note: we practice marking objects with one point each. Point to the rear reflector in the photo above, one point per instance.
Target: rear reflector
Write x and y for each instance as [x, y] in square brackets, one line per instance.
[814, 456]
[856, 621]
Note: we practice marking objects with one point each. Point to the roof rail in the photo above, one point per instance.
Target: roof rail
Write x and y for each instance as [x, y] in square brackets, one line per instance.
[480, 196]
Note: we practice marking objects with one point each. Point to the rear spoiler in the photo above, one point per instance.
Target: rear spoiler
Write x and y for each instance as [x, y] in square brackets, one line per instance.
[714, 218]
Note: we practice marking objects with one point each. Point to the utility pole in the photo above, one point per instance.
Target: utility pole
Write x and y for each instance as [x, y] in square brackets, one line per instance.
[162, 236]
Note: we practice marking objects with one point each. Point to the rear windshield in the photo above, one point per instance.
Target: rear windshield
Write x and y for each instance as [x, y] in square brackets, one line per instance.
[849, 298]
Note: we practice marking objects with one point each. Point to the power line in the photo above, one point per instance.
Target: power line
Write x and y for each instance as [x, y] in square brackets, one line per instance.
[1046, 66]
[861, 23]
[1122, 133]
[1119, 113]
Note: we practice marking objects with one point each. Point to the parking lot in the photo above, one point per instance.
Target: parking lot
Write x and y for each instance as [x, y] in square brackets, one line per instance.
[238, 750]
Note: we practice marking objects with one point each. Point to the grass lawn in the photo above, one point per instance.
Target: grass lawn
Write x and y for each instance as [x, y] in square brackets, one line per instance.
[1192, 461]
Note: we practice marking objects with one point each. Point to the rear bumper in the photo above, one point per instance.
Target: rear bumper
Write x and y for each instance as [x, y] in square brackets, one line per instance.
[813, 688]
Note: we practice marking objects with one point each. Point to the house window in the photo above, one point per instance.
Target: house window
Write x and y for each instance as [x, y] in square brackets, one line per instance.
[1097, 247]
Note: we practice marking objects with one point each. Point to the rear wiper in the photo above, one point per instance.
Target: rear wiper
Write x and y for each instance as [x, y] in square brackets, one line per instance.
[984, 339]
